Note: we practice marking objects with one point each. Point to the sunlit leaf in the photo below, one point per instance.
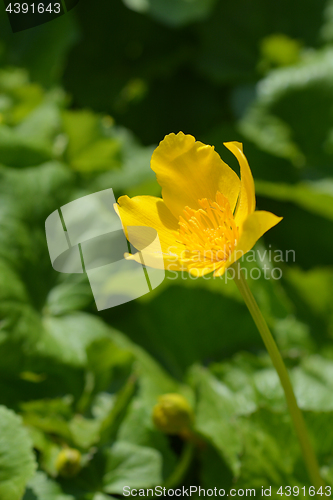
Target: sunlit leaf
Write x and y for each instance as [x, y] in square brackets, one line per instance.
[17, 461]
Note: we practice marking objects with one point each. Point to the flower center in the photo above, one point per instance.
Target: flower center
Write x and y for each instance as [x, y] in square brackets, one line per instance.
[209, 233]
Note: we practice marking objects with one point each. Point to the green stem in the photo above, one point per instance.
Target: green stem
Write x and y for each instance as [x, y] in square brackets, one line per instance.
[296, 414]
[182, 466]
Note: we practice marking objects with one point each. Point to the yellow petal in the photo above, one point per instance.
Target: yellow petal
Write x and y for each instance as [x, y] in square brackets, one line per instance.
[154, 261]
[188, 170]
[255, 225]
[247, 201]
[205, 269]
[149, 211]
[220, 271]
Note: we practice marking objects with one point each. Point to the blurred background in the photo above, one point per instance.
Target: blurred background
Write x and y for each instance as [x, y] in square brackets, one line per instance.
[84, 100]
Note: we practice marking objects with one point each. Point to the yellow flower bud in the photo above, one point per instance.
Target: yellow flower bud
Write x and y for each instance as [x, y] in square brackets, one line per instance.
[172, 414]
[68, 462]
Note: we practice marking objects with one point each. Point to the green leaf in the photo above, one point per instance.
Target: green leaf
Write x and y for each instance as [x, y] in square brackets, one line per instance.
[315, 196]
[131, 465]
[254, 379]
[289, 100]
[34, 138]
[214, 471]
[43, 124]
[19, 96]
[43, 49]
[265, 437]
[17, 461]
[199, 306]
[313, 382]
[89, 147]
[137, 426]
[33, 193]
[67, 337]
[173, 12]
[101, 496]
[101, 155]
[40, 487]
[279, 50]
[239, 28]
[18, 151]
[51, 416]
[217, 407]
[84, 432]
[135, 176]
[187, 336]
[270, 133]
[315, 288]
[67, 297]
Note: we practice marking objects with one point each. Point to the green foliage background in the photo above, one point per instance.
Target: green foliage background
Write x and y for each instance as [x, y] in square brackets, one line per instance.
[83, 102]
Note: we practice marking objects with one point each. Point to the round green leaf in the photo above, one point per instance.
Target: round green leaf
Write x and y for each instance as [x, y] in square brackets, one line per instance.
[17, 461]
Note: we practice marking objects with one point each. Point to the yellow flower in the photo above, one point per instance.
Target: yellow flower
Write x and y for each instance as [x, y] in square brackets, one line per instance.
[206, 219]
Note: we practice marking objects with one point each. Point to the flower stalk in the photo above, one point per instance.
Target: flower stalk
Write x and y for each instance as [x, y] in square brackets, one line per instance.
[296, 414]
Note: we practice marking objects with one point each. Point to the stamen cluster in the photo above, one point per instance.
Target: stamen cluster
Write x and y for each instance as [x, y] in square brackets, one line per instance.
[209, 233]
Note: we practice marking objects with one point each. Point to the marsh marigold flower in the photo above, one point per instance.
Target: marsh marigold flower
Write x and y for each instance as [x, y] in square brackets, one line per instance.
[206, 218]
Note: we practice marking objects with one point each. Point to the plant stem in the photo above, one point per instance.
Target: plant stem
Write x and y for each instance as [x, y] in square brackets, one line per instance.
[296, 414]
[182, 466]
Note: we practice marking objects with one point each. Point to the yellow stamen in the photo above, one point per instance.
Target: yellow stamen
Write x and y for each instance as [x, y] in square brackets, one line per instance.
[209, 234]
